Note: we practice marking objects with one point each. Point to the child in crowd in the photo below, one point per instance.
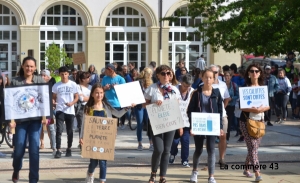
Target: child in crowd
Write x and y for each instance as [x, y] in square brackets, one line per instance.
[97, 105]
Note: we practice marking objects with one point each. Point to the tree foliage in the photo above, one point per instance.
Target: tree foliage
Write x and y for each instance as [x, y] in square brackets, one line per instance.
[254, 26]
[56, 57]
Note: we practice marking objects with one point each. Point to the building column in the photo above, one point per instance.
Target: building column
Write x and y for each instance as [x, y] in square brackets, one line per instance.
[95, 47]
[153, 45]
[165, 46]
[30, 40]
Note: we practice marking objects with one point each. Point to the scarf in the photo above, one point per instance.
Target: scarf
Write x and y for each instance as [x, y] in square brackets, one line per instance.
[166, 89]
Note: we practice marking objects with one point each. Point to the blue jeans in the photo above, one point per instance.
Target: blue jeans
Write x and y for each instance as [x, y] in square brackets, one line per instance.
[32, 130]
[141, 116]
[185, 143]
[102, 164]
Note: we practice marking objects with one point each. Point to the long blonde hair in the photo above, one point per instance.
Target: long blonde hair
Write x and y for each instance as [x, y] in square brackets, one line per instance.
[146, 77]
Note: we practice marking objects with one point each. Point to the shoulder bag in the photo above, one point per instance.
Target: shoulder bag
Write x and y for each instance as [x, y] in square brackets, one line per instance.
[256, 129]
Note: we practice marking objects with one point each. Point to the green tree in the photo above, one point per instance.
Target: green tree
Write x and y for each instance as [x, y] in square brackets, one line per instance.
[56, 57]
[254, 26]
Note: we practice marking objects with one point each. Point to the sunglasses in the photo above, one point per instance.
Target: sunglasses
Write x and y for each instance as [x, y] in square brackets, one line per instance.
[215, 72]
[252, 71]
[165, 73]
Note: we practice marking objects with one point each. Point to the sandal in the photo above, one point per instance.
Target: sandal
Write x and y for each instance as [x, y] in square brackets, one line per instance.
[152, 177]
[162, 180]
[247, 174]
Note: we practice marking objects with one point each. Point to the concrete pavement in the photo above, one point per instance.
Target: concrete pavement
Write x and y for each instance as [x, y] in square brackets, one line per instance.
[280, 145]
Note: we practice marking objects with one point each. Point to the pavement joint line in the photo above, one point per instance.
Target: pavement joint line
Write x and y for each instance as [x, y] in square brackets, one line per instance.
[284, 133]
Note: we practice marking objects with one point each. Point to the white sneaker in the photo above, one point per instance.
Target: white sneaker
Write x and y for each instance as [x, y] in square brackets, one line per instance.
[194, 177]
[151, 148]
[89, 179]
[211, 180]
[185, 164]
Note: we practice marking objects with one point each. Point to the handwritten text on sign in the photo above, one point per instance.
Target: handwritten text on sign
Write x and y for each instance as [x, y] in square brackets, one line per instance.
[206, 123]
[99, 138]
[253, 96]
[166, 117]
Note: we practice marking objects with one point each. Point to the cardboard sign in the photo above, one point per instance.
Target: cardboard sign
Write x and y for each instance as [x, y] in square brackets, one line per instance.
[206, 124]
[99, 137]
[166, 117]
[253, 97]
[136, 95]
[22, 103]
[78, 58]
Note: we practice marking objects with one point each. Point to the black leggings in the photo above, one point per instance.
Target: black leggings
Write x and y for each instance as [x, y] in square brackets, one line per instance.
[281, 102]
[230, 114]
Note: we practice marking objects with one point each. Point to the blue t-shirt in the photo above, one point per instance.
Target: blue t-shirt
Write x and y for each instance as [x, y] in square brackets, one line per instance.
[111, 94]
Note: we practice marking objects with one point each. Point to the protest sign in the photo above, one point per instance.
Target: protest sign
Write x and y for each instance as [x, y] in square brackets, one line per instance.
[253, 96]
[29, 102]
[166, 117]
[206, 123]
[135, 96]
[78, 58]
[99, 137]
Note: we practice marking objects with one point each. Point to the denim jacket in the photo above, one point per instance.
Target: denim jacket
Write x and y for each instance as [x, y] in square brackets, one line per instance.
[273, 85]
[234, 93]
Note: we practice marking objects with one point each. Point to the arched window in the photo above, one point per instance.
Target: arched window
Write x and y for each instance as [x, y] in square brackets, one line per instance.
[9, 44]
[126, 37]
[180, 48]
[64, 26]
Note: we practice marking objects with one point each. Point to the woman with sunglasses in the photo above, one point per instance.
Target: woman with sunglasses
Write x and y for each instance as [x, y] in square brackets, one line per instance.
[156, 94]
[254, 77]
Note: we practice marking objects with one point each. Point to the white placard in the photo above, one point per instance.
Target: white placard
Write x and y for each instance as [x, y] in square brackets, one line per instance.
[253, 97]
[166, 117]
[206, 124]
[130, 93]
[27, 102]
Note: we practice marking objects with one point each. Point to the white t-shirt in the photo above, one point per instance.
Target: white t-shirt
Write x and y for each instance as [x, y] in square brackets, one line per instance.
[224, 93]
[86, 91]
[183, 105]
[152, 93]
[65, 94]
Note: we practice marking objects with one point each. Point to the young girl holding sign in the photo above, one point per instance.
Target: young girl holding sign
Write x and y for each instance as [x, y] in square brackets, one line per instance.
[97, 105]
[205, 100]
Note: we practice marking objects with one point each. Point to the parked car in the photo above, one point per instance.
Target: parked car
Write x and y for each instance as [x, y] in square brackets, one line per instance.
[262, 62]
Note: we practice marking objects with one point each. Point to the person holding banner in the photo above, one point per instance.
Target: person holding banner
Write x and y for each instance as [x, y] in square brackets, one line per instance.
[24, 129]
[185, 92]
[205, 99]
[157, 93]
[97, 105]
[254, 76]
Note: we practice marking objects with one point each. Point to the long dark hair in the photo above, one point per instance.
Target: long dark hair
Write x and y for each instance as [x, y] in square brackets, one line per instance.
[260, 79]
[91, 102]
[82, 76]
[21, 71]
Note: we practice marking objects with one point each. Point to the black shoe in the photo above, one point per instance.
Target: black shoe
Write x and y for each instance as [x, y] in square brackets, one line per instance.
[58, 154]
[15, 177]
[241, 139]
[68, 152]
[269, 123]
[222, 163]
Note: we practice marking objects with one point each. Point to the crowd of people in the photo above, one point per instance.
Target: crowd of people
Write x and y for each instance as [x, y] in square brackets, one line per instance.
[208, 89]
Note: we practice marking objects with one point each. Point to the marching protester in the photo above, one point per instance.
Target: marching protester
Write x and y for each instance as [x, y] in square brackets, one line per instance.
[3, 84]
[282, 96]
[200, 63]
[185, 90]
[27, 128]
[254, 77]
[173, 79]
[50, 125]
[205, 99]
[84, 90]
[65, 95]
[108, 82]
[145, 79]
[73, 76]
[97, 105]
[273, 86]
[183, 73]
[157, 93]
[197, 78]
[180, 64]
[93, 75]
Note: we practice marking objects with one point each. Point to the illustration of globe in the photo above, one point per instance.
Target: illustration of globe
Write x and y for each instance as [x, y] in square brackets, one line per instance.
[26, 102]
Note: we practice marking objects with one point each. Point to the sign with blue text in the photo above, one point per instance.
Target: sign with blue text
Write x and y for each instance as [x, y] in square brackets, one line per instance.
[166, 117]
[206, 123]
[253, 97]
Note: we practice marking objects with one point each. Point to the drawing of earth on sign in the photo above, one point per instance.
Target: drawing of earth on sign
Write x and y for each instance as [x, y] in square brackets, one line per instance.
[26, 101]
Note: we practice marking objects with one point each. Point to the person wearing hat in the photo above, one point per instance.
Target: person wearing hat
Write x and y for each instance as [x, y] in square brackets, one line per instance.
[272, 83]
[108, 82]
[94, 78]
